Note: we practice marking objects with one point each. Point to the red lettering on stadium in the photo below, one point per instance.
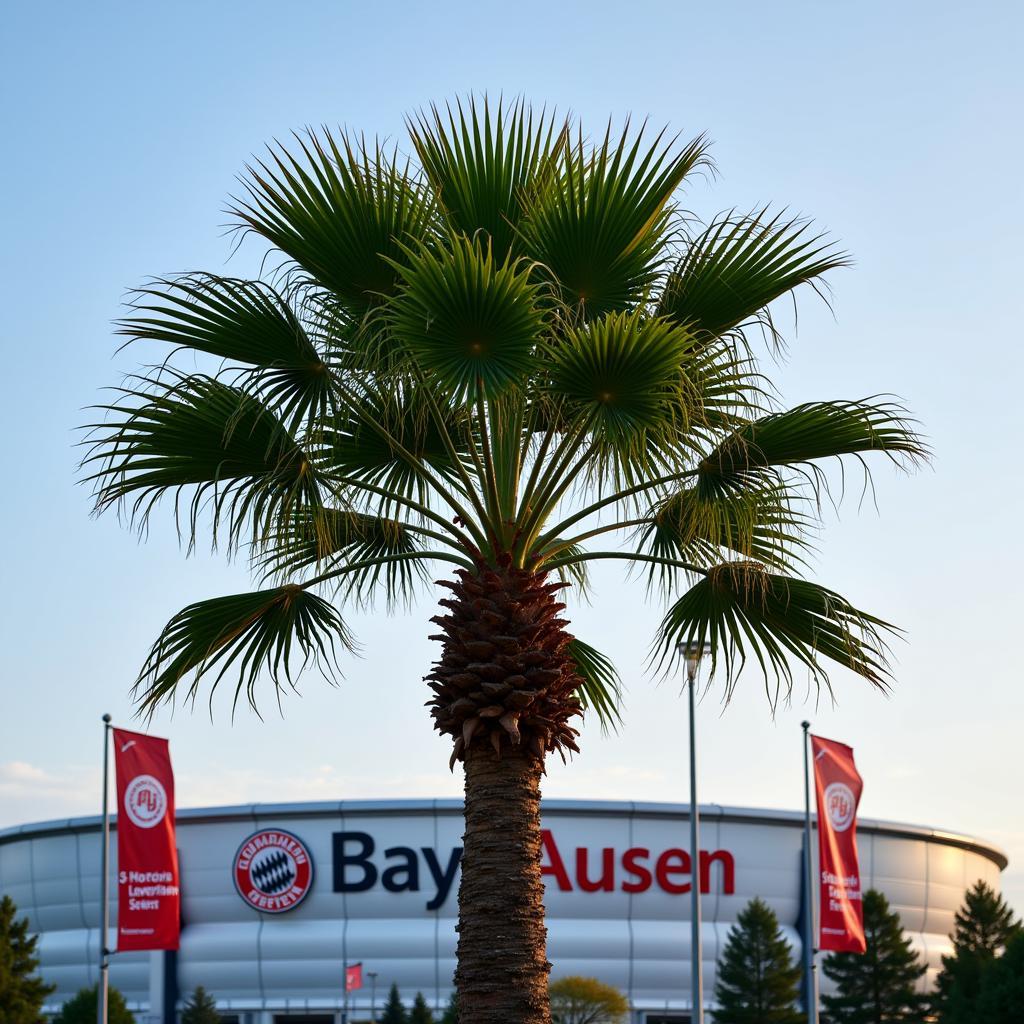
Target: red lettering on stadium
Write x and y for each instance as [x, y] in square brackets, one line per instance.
[637, 869]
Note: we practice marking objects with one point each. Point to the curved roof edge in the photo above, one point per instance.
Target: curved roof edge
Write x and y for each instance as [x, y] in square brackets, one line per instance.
[330, 808]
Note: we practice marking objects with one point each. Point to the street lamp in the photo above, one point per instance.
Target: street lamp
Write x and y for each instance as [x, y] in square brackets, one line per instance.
[692, 652]
[372, 975]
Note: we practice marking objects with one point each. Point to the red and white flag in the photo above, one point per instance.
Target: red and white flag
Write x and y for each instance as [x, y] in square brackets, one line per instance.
[353, 977]
[838, 787]
[148, 894]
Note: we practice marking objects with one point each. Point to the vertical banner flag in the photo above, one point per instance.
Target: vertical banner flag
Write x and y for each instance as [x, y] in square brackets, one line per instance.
[148, 898]
[838, 788]
[353, 977]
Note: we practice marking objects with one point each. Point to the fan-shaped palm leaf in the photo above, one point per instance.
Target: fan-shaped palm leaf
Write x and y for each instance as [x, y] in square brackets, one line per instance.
[483, 165]
[254, 632]
[601, 689]
[732, 271]
[246, 322]
[341, 211]
[337, 538]
[472, 323]
[599, 224]
[199, 434]
[813, 431]
[741, 608]
[762, 524]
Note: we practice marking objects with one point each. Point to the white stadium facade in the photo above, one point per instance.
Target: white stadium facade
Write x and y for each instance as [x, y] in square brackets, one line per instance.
[268, 934]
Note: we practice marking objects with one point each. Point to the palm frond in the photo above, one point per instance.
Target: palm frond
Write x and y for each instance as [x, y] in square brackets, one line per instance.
[742, 609]
[330, 539]
[761, 524]
[247, 322]
[356, 451]
[341, 210]
[738, 265]
[470, 322]
[483, 165]
[211, 443]
[598, 227]
[623, 372]
[810, 432]
[255, 632]
[601, 689]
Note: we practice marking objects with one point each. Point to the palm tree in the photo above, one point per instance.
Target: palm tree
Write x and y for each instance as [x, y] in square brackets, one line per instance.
[508, 356]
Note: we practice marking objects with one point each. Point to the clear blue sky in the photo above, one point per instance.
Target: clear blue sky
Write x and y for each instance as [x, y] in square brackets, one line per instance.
[896, 126]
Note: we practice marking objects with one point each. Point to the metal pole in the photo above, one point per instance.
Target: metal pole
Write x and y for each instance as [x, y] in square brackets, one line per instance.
[372, 975]
[810, 973]
[102, 988]
[697, 981]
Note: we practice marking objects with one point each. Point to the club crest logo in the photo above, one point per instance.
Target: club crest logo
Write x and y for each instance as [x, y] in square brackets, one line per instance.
[273, 871]
[145, 801]
[841, 805]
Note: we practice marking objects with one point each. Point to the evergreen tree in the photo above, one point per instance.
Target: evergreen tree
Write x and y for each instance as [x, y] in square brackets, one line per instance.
[420, 1011]
[758, 982]
[451, 1013]
[200, 1009]
[879, 984]
[394, 1010]
[982, 928]
[21, 992]
[1001, 1000]
[82, 1008]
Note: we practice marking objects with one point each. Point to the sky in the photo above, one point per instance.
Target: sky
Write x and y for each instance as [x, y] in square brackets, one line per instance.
[895, 126]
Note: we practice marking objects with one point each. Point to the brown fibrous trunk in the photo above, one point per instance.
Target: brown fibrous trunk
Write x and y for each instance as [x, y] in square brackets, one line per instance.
[504, 690]
[502, 974]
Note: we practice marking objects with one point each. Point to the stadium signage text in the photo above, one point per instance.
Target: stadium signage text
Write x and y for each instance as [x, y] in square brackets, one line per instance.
[357, 868]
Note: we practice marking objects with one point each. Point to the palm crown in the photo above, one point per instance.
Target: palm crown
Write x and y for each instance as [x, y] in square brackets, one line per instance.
[513, 355]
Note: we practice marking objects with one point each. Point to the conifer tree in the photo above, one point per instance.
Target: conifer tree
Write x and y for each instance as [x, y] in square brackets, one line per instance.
[200, 1009]
[82, 1008]
[1001, 1000]
[451, 1013]
[420, 1013]
[758, 982]
[22, 992]
[879, 985]
[982, 928]
[394, 1009]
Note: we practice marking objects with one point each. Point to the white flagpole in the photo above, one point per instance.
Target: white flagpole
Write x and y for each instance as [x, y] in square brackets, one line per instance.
[103, 987]
[810, 973]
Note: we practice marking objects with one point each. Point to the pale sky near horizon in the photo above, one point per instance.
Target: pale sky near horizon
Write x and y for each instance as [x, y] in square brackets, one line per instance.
[895, 126]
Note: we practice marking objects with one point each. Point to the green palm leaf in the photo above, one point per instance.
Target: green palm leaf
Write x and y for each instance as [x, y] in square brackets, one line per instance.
[622, 373]
[253, 632]
[732, 271]
[470, 322]
[599, 225]
[484, 166]
[691, 526]
[246, 322]
[364, 446]
[741, 608]
[330, 539]
[601, 688]
[341, 211]
[216, 442]
[815, 430]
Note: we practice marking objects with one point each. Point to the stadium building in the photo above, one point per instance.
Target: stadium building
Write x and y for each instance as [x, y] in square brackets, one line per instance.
[278, 898]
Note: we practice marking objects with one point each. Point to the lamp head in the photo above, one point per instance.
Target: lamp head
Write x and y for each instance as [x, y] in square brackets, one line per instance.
[692, 651]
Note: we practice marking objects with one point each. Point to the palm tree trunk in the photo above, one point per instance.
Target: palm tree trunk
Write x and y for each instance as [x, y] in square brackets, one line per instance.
[502, 976]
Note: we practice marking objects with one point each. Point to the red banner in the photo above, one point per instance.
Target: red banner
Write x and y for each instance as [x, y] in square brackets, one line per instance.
[353, 977]
[838, 789]
[148, 898]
